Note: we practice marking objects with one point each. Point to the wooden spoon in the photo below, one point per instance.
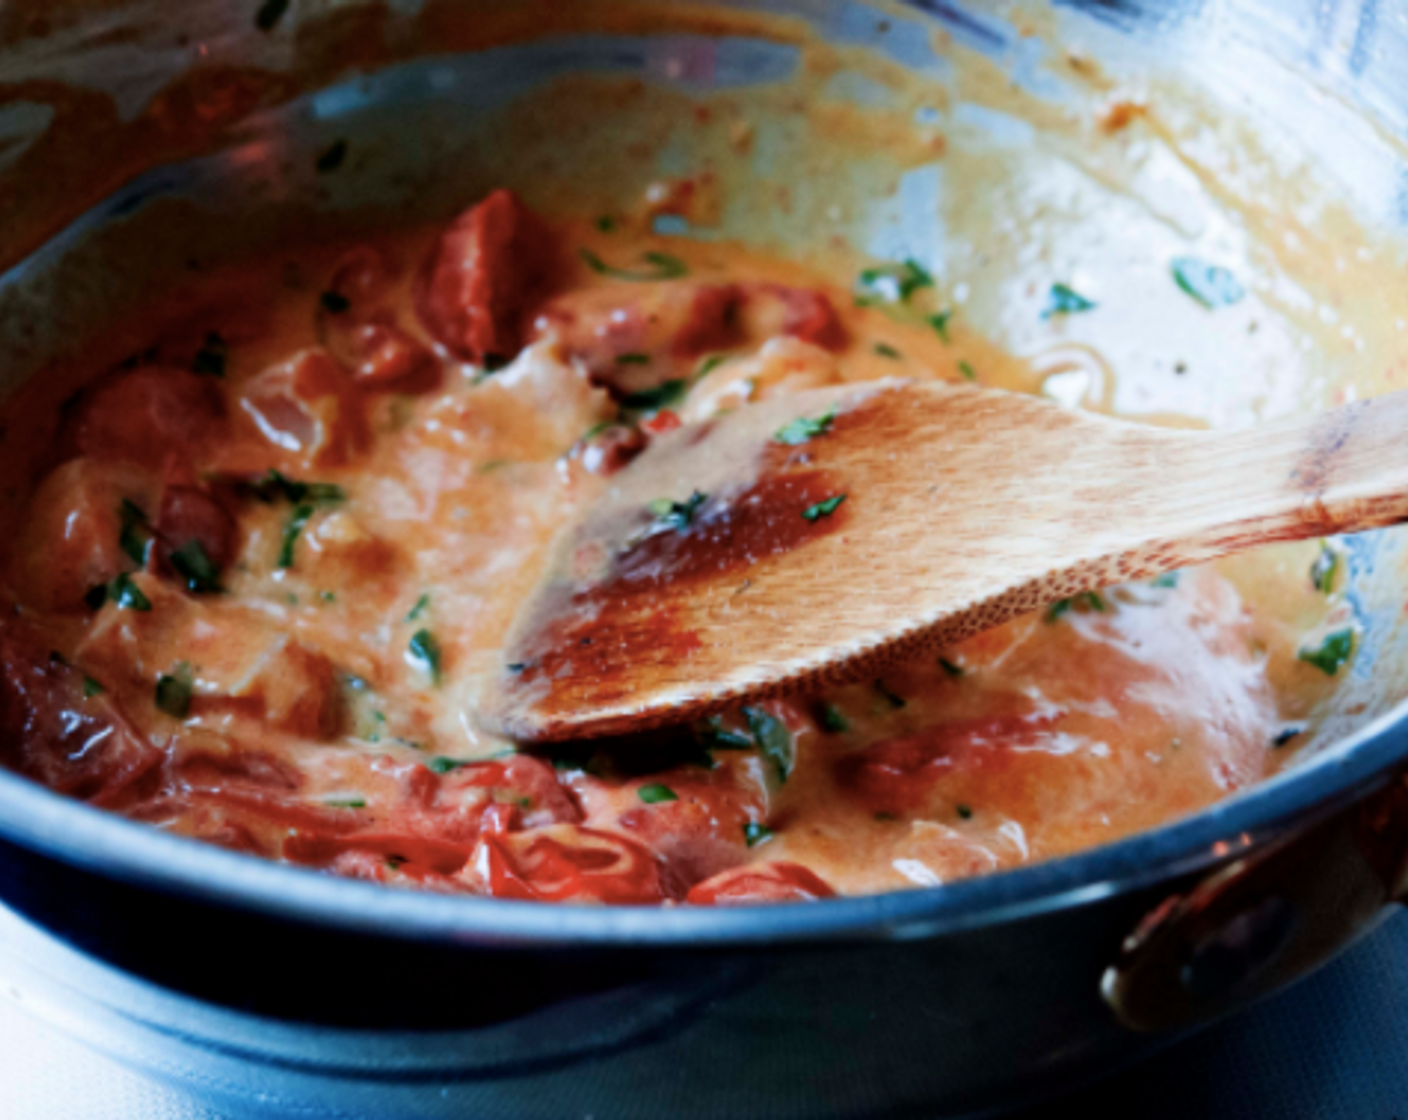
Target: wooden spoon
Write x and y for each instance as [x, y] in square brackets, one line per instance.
[814, 539]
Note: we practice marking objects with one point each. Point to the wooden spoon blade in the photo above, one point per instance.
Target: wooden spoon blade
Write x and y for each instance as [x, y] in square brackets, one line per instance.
[812, 540]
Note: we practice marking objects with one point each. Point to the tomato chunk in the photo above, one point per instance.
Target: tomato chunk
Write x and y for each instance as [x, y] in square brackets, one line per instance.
[568, 863]
[144, 416]
[309, 407]
[481, 277]
[760, 882]
[50, 731]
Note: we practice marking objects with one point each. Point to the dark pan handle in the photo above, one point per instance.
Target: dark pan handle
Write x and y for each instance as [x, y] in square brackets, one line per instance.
[1257, 924]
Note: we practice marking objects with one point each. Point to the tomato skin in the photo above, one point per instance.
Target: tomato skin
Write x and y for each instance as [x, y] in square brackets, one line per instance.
[809, 315]
[479, 280]
[568, 863]
[760, 882]
[145, 416]
[662, 422]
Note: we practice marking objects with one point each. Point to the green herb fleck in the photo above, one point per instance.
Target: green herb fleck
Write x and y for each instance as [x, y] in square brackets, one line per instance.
[346, 803]
[1086, 600]
[424, 653]
[665, 395]
[95, 597]
[275, 485]
[804, 428]
[1286, 734]
[714, 735]
[823, 509]
[887, 816]
[965, 812]
[1325, 570]
[418, 611]
[662, 267]
[832, 720]
[334, 303]
[1210, 285]
[940, 321]
[1168, 579]
[443, 765]
[296, 521]
[633, 359]
[885, 350]
[709, 365]
[270, 12]
[755, 834]
[892, 283]
[210, 358]
[92, 688]
[606, 223]
[654, 794]
[967, 370]
[194, 566]
[677, 515]
[1065, 300]
[894, 700]
[773, 739]
[1330, 654]
[950, 667]
[127, 595]
[331, 159]
[136, 536]
[173, 694]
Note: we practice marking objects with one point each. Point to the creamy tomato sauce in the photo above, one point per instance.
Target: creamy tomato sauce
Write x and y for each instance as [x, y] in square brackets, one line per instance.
[265, 563]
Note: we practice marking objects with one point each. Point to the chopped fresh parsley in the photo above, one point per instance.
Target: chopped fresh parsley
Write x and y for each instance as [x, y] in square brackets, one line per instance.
[654, 794]
[127, 595]
[885, 350]
[1065, 300]
[964, 811]
[831, 719]
[951, 668]
[1168, 579]
[270, 12]
[709, 365]
[804, 428]
[334, 303]
[95, 597]
[967, 370]
[296, 521]
[633, 359]
[346, 803]
[92, 688]
[892, 283]
[418, 611]
[895, 701]
[210, 358]
[327, 596]
[424, 653]
[1325, 570]
[1330, 654]
[755, 833]
[773, 739]
[443, 765]
[665, 395]
[606, 223]
[823, 509]
[1086, 600]
[136, 536]
[887, 816]
[1210, 285]
[677, 515]
[173, 694]
[714, 735]
[662, 267]
[331, 158]
[196, 568]
[940, 321]
[275, 485]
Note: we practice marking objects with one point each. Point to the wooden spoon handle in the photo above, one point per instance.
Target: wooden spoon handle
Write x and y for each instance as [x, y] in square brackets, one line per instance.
[1212, 493]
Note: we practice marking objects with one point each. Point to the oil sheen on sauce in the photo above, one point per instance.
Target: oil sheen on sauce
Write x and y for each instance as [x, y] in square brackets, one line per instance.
[268, 560]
